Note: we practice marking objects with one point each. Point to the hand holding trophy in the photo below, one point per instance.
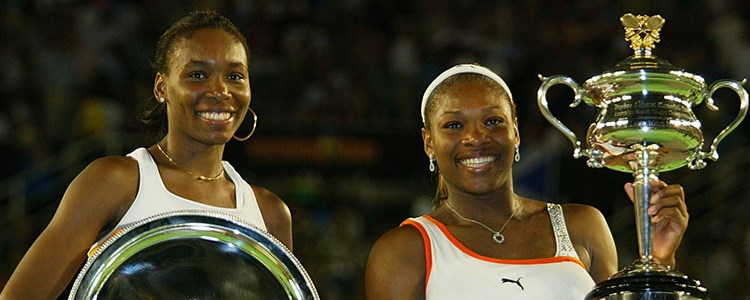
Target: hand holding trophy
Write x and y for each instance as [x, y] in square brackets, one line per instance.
[645, 125]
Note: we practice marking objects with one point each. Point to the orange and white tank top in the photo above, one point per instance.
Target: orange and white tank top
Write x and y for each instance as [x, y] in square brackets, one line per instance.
[455, 272]
[153, 198]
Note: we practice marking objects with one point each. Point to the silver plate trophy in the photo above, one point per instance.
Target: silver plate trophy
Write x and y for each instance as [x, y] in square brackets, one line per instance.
[193, 255]
[645, 125]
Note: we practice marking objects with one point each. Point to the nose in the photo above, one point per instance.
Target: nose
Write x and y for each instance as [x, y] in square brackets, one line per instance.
[219, 90]
[475, 135]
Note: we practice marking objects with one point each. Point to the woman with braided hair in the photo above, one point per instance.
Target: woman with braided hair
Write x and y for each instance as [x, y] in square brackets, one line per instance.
[201, 97]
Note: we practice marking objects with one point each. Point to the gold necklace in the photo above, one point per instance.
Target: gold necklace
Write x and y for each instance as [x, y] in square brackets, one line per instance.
[497, 236]
[198, 177]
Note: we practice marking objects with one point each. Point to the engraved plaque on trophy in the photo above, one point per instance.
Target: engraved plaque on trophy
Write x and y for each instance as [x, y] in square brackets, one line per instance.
[645, 125]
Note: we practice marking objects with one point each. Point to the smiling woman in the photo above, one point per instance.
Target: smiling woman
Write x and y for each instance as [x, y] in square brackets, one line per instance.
[201, 97]
[484, 241]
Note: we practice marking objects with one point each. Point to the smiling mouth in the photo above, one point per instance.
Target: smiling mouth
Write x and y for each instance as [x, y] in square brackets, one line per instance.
[215, 116]
[476, 162]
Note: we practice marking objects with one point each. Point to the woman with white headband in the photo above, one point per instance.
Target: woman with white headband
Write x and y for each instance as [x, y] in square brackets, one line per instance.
[484, 241]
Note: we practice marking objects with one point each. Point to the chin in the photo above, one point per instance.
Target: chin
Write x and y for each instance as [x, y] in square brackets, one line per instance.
[480, 190]
[217, 139]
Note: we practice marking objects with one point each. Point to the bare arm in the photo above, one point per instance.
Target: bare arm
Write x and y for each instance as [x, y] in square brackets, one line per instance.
[276, 215]
[589, 231]
[396, 266]
[90, 202]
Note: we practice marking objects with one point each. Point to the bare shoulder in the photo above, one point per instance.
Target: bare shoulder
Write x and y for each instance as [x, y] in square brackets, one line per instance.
[276, 215]
[113, 168]
[581, 213]
[592, 239]
[109, 169]
[98, 194]
[396, 265]
[109, 180]
[584, 221]
[404, 242]
[270, 200]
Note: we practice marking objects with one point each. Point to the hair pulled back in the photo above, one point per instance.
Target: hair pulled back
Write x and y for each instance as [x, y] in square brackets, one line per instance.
[155, 112]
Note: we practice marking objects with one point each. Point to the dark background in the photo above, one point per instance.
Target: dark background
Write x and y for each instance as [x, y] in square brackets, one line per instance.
[337, 86]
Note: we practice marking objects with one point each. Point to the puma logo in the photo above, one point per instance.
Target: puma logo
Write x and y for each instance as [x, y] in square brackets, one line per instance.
[517, 281]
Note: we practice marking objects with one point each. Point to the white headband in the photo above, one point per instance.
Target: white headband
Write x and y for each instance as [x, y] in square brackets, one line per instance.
[458, 69]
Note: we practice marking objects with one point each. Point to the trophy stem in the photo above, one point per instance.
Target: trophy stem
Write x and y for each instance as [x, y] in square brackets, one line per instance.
[646, 156]
[645, 278]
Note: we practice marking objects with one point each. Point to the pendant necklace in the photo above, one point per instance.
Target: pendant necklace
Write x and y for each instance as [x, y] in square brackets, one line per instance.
[198, 177]
[497, 236]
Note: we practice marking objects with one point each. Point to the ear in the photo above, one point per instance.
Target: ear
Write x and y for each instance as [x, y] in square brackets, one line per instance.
[427, 140]
[160, 87]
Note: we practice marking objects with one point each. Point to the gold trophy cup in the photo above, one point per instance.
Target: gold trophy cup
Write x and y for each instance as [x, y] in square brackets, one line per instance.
[645, 125]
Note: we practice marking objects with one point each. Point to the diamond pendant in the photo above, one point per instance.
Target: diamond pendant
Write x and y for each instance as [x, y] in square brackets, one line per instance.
[498, 237]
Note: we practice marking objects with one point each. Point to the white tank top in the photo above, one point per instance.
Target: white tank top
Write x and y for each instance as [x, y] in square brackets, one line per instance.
[455, 272]
[153, 198]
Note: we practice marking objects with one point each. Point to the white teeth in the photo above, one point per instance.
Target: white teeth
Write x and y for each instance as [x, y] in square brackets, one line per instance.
[477, 161]
[216, 116]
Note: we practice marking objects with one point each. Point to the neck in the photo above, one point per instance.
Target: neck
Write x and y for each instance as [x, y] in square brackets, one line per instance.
[498, 201]
[200, 159]
[485, 209]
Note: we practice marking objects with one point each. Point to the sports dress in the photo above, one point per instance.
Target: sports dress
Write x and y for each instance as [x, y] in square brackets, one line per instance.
[455, 272]
[153, 198]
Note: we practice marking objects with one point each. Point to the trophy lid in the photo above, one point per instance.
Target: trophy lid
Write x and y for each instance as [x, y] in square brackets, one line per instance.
[643, 72]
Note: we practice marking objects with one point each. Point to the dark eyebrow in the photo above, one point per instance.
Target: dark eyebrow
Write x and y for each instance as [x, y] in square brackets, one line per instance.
[487, 109]
[197, 63]
[238, 65]
[201, 63]
[491, 108]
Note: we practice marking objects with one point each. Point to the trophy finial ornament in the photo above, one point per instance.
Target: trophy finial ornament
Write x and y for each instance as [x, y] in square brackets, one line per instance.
[642, 31]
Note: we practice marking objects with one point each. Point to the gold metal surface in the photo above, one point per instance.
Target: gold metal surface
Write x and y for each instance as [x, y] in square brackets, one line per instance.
[642, 31]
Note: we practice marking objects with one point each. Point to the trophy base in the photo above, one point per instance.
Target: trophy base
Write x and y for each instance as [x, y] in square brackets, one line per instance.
[648, 281]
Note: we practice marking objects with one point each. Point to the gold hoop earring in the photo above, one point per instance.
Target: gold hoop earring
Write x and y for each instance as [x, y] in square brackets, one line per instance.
[255, 123]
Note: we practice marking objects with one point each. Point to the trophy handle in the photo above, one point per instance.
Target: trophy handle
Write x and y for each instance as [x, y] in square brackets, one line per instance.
[696, 162]
[548, 82]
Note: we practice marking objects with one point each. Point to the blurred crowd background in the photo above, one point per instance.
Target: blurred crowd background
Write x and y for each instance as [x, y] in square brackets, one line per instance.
[336, 86]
